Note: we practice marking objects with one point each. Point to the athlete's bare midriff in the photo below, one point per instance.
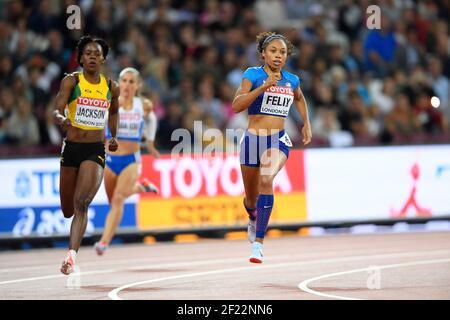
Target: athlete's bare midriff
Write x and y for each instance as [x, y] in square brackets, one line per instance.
[126, 147]
[75, 134]
[264, 125]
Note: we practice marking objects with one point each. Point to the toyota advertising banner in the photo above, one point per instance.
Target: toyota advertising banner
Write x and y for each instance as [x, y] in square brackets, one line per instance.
[316, 185]
[201, 191]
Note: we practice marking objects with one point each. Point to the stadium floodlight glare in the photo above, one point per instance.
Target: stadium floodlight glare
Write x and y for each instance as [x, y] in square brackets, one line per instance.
[435, 102]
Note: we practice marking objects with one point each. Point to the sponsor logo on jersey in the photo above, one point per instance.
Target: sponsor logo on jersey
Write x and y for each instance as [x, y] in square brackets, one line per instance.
[93, 102]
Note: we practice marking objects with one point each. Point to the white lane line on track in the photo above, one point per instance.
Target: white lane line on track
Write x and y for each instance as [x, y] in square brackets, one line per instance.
[190, 264]
[304, 284]
[137, 268]
[115, 262]
[114, 294]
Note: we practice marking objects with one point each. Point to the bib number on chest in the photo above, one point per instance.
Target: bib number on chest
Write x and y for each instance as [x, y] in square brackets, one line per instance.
[130, 125]
[277, 101]
[91, 112]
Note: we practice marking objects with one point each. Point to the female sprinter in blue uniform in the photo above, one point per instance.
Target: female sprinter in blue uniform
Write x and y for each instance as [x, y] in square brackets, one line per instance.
[267, 92]
[136, 117]
[87, 96]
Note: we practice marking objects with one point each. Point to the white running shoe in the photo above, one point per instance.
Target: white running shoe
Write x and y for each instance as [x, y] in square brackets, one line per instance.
[251, 230]
[257, 254]
[100, 248]
[68, 264]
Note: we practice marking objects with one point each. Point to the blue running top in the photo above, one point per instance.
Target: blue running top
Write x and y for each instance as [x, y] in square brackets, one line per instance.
[276, 100]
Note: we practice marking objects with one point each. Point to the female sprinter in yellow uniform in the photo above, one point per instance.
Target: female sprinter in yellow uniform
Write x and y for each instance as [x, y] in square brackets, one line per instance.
[267, 92]
[124, 167]
[88, 95]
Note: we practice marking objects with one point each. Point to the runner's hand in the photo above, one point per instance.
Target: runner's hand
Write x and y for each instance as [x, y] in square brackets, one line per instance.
[113, 145]
[64, 123]
[271, 80]
[307, 134]
[154, 152]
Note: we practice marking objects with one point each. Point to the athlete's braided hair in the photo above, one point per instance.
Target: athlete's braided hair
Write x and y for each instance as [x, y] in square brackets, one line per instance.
[264, 38]
[85, 40]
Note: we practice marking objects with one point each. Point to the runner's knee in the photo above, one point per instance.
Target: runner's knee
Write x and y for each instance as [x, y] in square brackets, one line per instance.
[118, 198]
[250, 201]
[266, 182]
[82, 203]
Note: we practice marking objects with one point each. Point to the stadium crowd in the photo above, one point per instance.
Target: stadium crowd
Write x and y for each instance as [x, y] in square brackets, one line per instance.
[363, 86]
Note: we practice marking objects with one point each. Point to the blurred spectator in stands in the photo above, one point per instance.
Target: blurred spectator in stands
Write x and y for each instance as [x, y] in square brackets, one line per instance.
[23, 127]
[354, 61]
[162, 13]
[39, 72]
[156, 65]
[14, 10]
[21, 33]
[209, 103]
[126, 15]
[184, 93]
[379, 48]
[55, 51]
[233, 40]
[234, 77]
[439, 83]
[409, 51]
[7, 102]
[40, 96]
[325, 123]
[51, 133]
[21, 51]
[353, 116]
[401, 123]
[350, 18]
[99, 20]
[228, 16]
[209, 65]
[170, 122]
[210, 14]
[3, 128]
[322, 94]
[226, 95]
[438, 38]
[20, 89]
[383, 94]
[174, 67]
[6, 70]
[42, 18]
[336, 56]
[187, 40]
[6, 31]
[194, 121]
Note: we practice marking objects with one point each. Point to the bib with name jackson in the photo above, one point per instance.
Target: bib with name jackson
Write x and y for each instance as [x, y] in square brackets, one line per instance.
[89, 103]
[91, 112]
[277, 101]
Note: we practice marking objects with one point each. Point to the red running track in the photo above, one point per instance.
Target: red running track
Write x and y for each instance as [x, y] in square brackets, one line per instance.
[374, 266]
